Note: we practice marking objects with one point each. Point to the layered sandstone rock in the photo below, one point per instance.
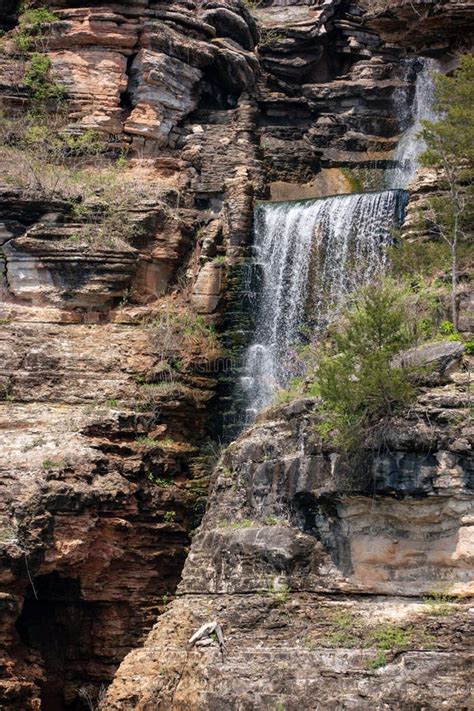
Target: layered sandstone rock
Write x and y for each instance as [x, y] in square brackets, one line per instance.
[101, 484]
[286, 526]
[108, 398]
[423, 26]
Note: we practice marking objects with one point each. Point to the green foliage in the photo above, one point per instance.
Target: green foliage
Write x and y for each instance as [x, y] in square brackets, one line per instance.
[244, 523]
[178, 327]
[280, 593]
[469, 348]
[450, 139]
[159, 481]
[380, 660]
[448, 331]
[269, 36]
[341, 638]
[38, 80]
[427, 259]
[343, 619]
[440, 604]
[358, 382]
[29, 32]
[167, 442]
[446, 328]
[273, 521]
[347, 630]
[294, 389]
[50, 464]
[252, 4]
[450, 150]
[42, 154]
[169, 516]
[353, 180]
[35, 17]
[389, 636]
[145, 441]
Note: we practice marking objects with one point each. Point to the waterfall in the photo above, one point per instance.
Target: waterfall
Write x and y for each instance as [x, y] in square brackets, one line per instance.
[411, 145]
[309, 255]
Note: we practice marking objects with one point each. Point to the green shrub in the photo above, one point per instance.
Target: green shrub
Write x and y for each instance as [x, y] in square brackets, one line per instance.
[170, 516]
[341, 638]
[294, 389]
[36, 16]
[178, 327]
[244, 523]
[449, 141]
[358, 381]
[440, 604]
[469, 348]
[49, 464]
[38, 79]
[273, 521]
[280, 593]
[419, 258]
[390, 636]
[147, 441]
[446, 328]
[270, 36]
[29, 32]
[380, 660]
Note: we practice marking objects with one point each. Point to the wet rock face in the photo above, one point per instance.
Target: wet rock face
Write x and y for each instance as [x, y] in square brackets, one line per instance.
[285, 526]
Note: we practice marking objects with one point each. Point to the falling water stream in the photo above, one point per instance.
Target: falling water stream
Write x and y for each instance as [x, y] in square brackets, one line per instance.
[411, 144]
[309, 255]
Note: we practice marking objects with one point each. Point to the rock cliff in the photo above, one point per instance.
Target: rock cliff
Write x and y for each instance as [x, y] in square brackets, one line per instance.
[114, 383]
[324, 586]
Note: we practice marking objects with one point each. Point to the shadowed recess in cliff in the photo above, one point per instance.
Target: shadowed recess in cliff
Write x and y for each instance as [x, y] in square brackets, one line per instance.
[308, 257]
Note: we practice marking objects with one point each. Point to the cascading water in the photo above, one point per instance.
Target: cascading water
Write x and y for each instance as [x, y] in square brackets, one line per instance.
[411, 145]
[310, 255]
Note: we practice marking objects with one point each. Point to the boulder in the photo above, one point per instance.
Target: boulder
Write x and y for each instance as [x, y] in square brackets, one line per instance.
[163, 90]
[441, 357]
[209, 287]
[229, 24]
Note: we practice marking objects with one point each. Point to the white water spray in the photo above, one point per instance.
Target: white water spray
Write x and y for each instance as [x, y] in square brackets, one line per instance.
[310, 255]
[411, 145]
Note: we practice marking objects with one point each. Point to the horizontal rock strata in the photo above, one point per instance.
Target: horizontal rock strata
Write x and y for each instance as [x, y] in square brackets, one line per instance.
[285, 528]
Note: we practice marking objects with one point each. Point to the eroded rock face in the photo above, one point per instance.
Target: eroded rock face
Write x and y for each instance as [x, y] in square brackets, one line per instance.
[285, 526]
[104, 415]
[101, 483]
[423, 26]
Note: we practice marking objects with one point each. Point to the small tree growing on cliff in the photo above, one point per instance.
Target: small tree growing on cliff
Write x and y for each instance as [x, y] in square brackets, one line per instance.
[358, 380]
[450, 150]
